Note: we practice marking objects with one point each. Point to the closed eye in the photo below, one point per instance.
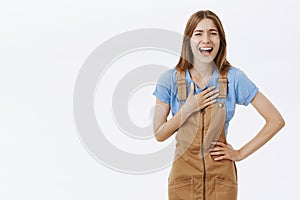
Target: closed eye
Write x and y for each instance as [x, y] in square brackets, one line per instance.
[211, 33]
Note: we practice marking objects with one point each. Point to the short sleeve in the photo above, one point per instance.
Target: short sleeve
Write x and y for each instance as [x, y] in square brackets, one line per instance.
[163, 87]
[245, 89]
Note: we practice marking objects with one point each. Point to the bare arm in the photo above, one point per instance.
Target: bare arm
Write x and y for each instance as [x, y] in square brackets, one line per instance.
[163, 129]
[274, 122]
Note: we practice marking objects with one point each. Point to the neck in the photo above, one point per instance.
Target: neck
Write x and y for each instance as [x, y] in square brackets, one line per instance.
[202, 70]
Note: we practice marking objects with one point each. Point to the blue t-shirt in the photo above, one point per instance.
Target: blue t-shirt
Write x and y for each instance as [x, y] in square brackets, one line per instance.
[241, 90]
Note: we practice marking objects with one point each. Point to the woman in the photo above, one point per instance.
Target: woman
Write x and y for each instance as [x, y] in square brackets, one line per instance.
[202, 91]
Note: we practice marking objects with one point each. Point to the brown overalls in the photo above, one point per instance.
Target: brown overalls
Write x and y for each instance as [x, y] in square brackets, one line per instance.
[194, 174]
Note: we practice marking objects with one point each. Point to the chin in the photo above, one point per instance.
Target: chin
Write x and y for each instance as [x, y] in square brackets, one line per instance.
[206, 60]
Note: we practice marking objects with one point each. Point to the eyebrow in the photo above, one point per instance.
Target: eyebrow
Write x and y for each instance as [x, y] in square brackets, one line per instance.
[212, 29]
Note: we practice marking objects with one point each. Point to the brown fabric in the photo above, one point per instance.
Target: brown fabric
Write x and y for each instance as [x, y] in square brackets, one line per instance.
[222, 82]
[181, 86]
[194, 174]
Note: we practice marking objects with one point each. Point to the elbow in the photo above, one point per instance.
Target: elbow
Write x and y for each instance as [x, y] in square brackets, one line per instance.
[278, 123]
[159, 133]
[281, 123]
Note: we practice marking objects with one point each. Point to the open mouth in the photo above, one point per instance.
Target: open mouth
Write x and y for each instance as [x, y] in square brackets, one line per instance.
[205, 49]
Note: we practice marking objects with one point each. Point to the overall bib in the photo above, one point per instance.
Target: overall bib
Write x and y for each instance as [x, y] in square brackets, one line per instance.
[194, 174]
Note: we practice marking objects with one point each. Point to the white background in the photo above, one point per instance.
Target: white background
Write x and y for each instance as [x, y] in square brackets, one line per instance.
[44, 44]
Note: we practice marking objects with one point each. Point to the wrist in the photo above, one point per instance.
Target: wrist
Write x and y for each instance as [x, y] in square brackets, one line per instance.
[186, 110]
[241, 154]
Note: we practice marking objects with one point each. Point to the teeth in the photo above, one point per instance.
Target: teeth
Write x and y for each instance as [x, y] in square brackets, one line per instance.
[205, 49]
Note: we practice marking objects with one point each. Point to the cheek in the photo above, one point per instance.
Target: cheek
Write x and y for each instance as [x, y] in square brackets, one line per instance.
[217, 46]
[193, 45]
[193, 42]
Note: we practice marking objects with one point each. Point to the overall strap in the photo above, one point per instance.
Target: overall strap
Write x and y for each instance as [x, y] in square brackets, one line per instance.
[181, 86]
[222, 84]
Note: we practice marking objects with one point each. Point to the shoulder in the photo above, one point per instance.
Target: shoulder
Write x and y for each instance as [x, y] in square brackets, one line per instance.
[165, 85]
[236, 75]
[233, 72]
[242, 87]
[169, 73]
[167, 77]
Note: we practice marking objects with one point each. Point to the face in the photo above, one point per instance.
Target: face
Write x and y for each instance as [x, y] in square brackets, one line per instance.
[205, 41]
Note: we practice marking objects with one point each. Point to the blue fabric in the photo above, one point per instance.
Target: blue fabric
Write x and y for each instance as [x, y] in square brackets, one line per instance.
[241, 90]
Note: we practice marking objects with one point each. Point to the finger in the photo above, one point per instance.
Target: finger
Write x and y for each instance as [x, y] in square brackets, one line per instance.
[191, 89]
[211, 93]
[219, 144]
[217, 153]
[207, 100]
[204, 92]
[212, 98]
[220, 158]
[217, 149]
[211, 88]
[208, 103]
[229, 145]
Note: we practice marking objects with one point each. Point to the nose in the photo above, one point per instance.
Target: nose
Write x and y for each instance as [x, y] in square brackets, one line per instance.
[205, 39]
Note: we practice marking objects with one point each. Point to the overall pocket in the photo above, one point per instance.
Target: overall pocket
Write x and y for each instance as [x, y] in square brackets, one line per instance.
[181, 189]
[225, 189]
